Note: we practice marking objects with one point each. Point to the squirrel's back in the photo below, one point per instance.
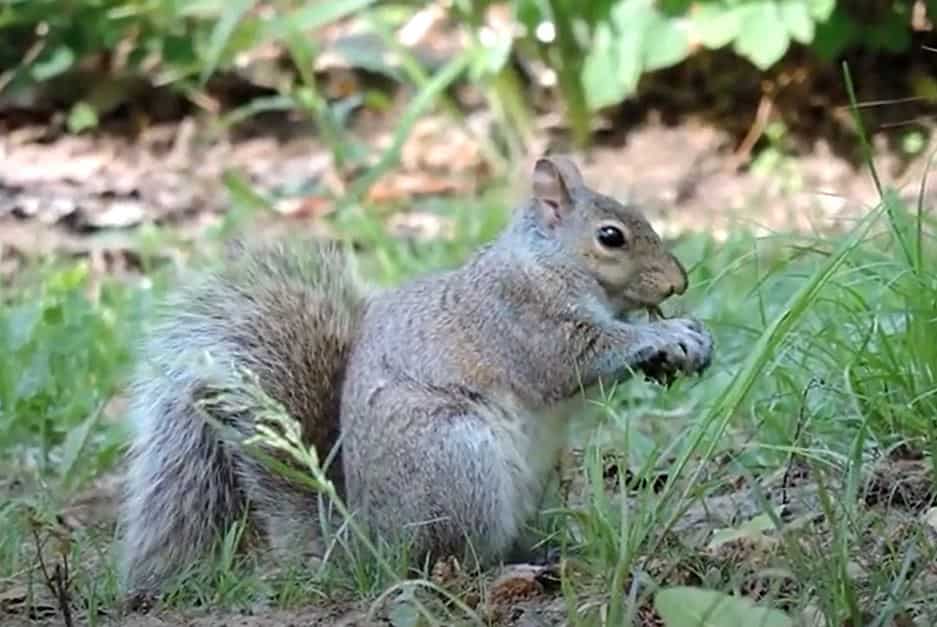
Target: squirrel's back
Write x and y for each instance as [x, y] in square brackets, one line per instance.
[288, 313]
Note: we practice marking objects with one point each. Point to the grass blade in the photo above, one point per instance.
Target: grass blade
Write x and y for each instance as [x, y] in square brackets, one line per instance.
[728, 402]
[221, 34]
[314, 16]
[439, 83]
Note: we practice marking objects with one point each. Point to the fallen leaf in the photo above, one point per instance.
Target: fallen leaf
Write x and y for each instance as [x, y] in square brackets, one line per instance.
[685, 606]
[753, 529]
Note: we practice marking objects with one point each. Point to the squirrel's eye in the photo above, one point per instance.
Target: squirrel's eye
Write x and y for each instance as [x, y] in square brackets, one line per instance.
[611, 237]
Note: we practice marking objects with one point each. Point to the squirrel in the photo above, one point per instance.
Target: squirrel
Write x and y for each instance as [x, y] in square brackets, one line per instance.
[449, 396]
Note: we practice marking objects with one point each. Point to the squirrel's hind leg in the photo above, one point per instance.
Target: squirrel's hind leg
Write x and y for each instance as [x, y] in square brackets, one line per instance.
[288, 513]
[451, 489]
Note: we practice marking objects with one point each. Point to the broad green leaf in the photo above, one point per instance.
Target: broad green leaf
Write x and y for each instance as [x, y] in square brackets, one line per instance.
[715, 25]
[834, 35]
[762, 38]
[665, 43]
[404, 613]
[21, 322]
[598, 71]
[57, 62]
[796, 17]
[37, 374]
[529, 12]
[615, 62]
[821, 10]
[684, 606]
[82, 117]
[233, 13]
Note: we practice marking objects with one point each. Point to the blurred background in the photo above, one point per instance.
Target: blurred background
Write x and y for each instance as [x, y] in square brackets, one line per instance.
[122, 113]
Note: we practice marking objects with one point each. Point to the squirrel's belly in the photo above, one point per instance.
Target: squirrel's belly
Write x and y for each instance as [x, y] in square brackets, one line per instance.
[533, 441]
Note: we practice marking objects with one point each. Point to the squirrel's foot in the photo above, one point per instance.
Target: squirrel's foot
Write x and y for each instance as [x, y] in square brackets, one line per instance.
[536, 554]
[549, 555]
[139, 602]
[680, 345]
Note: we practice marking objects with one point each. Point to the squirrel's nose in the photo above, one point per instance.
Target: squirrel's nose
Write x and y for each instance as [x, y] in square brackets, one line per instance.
[679, 279]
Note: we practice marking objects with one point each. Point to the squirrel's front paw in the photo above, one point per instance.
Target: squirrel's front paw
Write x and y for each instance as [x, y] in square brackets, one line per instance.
[678, 345]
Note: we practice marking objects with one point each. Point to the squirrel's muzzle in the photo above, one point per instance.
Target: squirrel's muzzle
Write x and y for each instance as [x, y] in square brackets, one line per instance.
[675, 275]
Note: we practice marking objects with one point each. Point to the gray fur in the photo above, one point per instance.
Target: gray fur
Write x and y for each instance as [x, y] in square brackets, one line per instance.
[459, 386]
[287, 312]
[453, 392]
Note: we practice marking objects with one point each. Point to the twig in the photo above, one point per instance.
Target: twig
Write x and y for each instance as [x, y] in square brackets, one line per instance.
[58, 582]
[801, 419]
[762, 115]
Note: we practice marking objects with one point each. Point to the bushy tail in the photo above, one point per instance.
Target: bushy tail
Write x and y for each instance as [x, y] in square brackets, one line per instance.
[286, 311]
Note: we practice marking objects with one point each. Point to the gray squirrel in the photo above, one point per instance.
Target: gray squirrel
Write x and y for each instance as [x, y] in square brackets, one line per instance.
[452, 393]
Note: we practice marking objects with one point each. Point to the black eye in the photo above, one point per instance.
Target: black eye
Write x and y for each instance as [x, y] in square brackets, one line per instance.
[611, 237]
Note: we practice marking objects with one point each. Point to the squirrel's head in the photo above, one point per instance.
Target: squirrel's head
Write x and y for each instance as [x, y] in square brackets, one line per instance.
[611, 241]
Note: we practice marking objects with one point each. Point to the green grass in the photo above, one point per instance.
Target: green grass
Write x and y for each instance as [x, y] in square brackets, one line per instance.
[826, 360]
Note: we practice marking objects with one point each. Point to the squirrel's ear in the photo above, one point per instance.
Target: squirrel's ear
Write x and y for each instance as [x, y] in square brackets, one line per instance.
[554, 178]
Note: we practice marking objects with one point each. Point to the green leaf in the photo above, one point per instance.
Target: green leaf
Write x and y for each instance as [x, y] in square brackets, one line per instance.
[796, 17]
[665, 43]
[598, 71]
[630, 20]
[835, 35]
[615, 61]
[35, 376]
[762, 39]
[233, 13]
[404, 613]
[68, 279]
[684, 606]
[57, 62]
[21, 323]
[821, 10]
[529, 12]
[81, 117]
[75, 443]
[715, 25]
